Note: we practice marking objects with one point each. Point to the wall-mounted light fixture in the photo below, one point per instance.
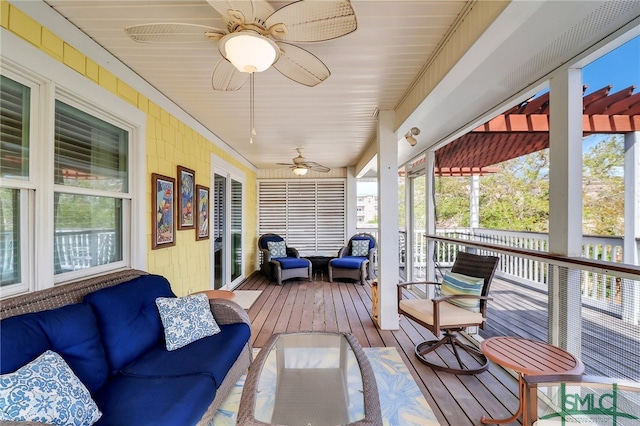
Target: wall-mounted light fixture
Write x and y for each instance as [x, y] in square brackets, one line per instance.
[411, 134]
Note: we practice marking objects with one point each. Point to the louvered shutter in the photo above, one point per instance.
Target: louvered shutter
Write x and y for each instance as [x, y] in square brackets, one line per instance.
[309, 215]
[14, 128]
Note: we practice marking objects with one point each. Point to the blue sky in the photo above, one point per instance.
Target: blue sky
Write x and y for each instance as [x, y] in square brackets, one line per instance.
[620, 68]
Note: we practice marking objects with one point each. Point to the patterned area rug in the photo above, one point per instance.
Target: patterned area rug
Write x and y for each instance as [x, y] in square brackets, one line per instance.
[246, 298]
[402, 402]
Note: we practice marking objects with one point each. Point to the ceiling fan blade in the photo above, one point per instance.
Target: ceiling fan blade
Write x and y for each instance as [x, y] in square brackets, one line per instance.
[250, 9]
[285, 164]
[227, 78]
[316, 167]
[301, 65]
[172, 33]
[312, 21]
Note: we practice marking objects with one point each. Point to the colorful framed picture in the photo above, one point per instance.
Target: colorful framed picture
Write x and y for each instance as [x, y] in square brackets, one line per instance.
[202, 228]
[163, 198]
[186, 185]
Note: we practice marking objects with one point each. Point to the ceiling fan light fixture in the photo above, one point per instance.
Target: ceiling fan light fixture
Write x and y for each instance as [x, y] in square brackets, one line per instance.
[300, 171]
[248, 51]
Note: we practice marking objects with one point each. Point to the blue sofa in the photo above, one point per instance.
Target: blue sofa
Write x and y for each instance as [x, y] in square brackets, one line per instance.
[113, 340]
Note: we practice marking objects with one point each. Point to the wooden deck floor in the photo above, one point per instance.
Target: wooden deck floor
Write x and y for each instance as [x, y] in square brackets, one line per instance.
[338, 306]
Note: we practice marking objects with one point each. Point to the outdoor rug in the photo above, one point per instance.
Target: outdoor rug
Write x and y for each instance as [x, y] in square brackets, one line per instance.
[402, 403]
[246, 298]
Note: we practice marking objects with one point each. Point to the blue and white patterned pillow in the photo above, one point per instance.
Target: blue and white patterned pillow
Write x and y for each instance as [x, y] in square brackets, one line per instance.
[186, 319]
[277, 249]
[46, 390]
[360, 248]
[454, 284]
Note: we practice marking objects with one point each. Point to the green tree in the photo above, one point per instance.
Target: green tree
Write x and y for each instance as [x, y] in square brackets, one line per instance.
[603, 188]
[517, 198]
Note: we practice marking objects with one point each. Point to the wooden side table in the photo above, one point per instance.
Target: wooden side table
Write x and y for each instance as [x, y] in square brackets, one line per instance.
[218, 294]
[530, 358]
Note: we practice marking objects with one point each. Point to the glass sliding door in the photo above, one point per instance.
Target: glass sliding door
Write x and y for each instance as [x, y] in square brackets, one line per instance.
[236, 229]
[227, 226]
[218, 228]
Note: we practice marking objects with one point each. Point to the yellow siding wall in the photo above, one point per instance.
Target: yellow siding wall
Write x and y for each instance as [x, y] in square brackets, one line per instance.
[170, 142]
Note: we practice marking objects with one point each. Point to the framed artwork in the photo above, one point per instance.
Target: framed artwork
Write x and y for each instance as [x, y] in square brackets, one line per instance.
[186, 201]
[202, 225]
[163, 198]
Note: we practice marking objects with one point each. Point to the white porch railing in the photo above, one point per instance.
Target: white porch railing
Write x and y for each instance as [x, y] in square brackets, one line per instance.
[599, 290]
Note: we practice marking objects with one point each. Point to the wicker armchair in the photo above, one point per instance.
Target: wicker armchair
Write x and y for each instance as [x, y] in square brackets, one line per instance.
[355, 260]
[281, 262]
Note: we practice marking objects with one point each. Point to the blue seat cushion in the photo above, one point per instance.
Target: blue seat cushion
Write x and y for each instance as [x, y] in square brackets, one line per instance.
[348, 262]
[155, 401]
[128, 317]
[292, 262]
[212, 355]
[71, 331]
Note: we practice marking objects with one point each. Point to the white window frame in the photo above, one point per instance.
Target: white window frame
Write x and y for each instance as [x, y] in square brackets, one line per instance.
[58, 81]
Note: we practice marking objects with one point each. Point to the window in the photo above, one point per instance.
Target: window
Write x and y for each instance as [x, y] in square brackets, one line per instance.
[309, 215]
[68, 193]
[91, 156]
[15, 114]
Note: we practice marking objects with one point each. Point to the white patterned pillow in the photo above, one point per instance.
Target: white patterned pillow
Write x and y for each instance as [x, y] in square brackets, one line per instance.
[360, 248]
[186, 319]
[277, 249]
[455, 284]
[46, 390]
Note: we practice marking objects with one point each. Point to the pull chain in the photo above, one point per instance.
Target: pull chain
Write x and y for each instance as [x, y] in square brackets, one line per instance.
[251, 108]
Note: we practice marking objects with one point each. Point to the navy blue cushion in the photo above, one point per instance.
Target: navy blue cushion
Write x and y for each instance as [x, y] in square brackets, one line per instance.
[292, 262]
[154, 401]
[212, 355]
[371, 241]
[21, 341]
[128, 318]
[71, 331]
[348, 262]
[265, 240]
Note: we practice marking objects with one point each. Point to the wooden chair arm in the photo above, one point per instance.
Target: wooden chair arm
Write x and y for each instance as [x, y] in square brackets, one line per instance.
[460, 296]
[418, 282]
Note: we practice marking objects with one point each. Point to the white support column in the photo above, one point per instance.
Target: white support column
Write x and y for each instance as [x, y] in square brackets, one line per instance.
[431, 218]
[409, 228]
[474, 202]
[388, 265]
[565, 207]
[631, 291]
[352, 202]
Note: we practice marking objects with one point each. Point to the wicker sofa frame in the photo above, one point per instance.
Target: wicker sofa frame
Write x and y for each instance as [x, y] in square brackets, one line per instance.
[224, 311]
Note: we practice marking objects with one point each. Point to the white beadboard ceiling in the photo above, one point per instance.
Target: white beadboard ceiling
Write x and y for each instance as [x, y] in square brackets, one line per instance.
[371, 69]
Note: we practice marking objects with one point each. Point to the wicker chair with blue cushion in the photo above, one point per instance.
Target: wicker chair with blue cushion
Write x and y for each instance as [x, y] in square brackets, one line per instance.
[355, 260]
[280, 262]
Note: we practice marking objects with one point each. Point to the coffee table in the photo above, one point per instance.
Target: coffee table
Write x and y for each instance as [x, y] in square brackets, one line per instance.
[310, 378]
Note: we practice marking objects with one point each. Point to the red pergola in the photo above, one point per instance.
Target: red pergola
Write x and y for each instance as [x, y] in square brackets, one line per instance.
[524, 129]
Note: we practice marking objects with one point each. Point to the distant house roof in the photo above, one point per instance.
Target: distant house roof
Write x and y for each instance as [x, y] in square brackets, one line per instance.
[524, 129]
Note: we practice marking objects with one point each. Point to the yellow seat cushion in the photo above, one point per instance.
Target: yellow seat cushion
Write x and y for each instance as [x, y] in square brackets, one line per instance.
[450, 315]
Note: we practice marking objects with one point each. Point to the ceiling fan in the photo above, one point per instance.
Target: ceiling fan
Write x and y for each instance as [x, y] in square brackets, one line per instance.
[257, 36]
[301, 166]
